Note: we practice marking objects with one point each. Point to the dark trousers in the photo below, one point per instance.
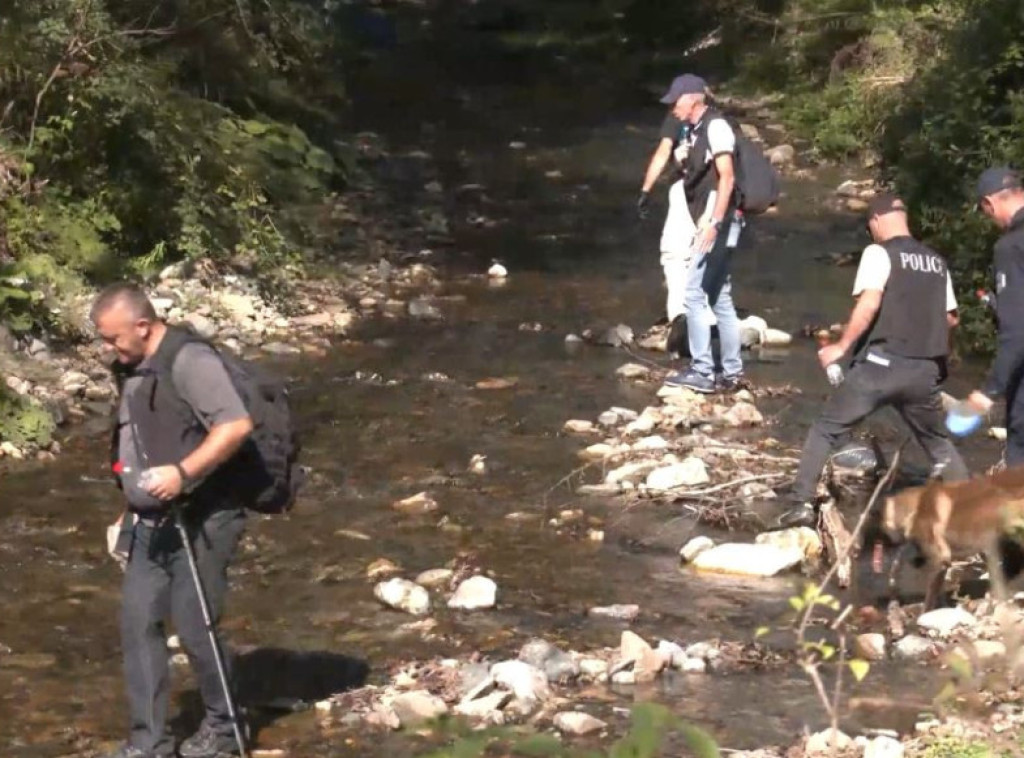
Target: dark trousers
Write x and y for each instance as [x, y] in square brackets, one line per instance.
[158, 586]
[911, 386]
[1015, 424]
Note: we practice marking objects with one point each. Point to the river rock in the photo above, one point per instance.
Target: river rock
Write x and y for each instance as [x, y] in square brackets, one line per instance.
[884, 747]
[646, 662]
[475, 593]
[312, 320]
[203, 326]
[943, 621]
[557, 665]
[380, 568]
[497, 271]
[526, 682]
[693, 666]
[240, 307]
[750, 132]
[997, 433]
[403, 595]
[849, 188]
[747, 559]
[608, 418]
[618, 612]
[578, 723]
[594, 668]
[633, 371]
[486, 708]
[413, 708]
[856, 205]
[417, 504]
[870, 646]
[630, 472]
[690, 473]
[642, 425]
[432, 578]
[624, 677]
[781, 155]
[73, 382]
[803, 538]
[578, 426]
[280, 348]
[599, 451]
[821, 743]
[617, 336]
[982, 650]
[672, 653]
[776, 338]
[497, 383]
[913, 647]
[743, 414]
[648, 444]
[695, 547]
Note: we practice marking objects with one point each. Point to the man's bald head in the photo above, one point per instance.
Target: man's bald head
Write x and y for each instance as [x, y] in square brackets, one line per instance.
[127, 322]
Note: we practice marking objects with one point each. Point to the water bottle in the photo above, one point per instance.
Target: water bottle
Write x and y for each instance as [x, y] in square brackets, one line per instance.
[734, 229]
[833, 371]
[962, 420]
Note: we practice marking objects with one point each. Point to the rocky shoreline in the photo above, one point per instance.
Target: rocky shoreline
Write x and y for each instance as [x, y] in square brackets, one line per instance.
[380, 268]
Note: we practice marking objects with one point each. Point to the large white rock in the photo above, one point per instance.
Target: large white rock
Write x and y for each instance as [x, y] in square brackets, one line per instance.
[633, 371]
[655, 442]
[403, 595]
[642, 425]
[821, 743]
[646, 661]
[870, 646]
[912, 647]
[803, 538]
[475, 593]
[630, 472]
[943, 621]
[775, 338]
[578, 426]
[578, 723]
[487, 708]
[690, 473]
[497, 271]
[414, 708]
[748, 559]
[743, 414]
[695, 547]
[525, 681]
[884, 747]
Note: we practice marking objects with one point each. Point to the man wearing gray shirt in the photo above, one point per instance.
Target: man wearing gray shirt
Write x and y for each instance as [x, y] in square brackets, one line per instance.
[181, 421]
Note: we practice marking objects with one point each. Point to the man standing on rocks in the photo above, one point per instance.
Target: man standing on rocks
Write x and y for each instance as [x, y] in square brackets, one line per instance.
[1000, 195]
[695, 256]
[179, 420]
[898, 338]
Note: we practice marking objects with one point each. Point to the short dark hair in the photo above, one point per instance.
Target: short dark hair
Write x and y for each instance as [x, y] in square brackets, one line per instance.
[127, 293]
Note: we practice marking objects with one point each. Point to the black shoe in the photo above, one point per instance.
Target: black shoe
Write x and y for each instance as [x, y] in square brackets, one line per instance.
[727, 385]
[129, 751]
[804, 514]
[207, 743]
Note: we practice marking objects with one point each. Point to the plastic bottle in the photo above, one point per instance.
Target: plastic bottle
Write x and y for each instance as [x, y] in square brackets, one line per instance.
[987, 299]
[833, 371]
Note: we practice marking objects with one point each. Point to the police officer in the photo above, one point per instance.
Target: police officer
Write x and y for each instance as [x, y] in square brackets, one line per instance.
[898, 337]
[1001, 197]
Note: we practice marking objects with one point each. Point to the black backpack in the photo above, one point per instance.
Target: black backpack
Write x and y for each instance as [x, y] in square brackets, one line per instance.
[270, 474]
[757, 181]
[265, 472]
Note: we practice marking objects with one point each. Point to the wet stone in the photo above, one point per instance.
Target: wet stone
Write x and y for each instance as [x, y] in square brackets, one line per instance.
[432, 578]
[527, 683]
[417, 504]
[943, 621]
[557, 665]
[620, 612]
[475, 593]
[913, 647]
[413, 708]
[695, 547]
[403, 595]
[578, 723]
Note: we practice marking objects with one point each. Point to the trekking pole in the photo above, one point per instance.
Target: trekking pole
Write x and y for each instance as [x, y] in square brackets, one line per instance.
[210, 630]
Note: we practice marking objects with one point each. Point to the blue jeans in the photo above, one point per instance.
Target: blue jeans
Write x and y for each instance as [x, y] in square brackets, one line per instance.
[699, 322]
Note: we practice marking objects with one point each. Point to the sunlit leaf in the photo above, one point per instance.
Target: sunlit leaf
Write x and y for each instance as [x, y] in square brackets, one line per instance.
[859, 668]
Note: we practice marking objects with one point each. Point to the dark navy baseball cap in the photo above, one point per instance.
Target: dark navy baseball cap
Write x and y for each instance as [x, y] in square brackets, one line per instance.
[687, 84]
[997, 179]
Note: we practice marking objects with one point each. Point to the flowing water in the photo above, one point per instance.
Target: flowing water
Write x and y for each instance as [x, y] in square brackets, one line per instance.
[380, 425]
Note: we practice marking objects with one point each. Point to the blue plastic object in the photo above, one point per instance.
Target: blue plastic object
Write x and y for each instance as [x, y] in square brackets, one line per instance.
[961, 422]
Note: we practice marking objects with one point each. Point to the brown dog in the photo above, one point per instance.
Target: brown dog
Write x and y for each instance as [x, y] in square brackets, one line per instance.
[958, 519]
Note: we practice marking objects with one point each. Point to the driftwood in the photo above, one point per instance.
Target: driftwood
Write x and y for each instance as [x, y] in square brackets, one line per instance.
[840, 548]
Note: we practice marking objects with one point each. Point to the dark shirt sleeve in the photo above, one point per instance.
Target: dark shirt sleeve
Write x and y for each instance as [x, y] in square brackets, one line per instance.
[202, 381]
[1009, 261]
[671, 128]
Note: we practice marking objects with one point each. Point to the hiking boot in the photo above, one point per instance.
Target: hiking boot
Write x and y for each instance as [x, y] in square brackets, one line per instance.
[802, 514]
[727, 385]
[127, 750]
[207, 743]
[691, 380]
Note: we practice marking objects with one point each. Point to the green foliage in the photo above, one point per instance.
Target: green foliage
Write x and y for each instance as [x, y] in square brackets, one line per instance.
[141, 133]
[24, 422]
[651, 724]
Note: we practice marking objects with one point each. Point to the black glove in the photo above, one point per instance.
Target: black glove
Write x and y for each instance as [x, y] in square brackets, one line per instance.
[642, 205]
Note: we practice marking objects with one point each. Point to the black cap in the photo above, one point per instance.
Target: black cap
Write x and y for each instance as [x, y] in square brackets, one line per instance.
[687, 84]
[997, 179]
[883, 203]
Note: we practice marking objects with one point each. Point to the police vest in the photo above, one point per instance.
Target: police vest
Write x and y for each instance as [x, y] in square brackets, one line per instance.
[912, 319]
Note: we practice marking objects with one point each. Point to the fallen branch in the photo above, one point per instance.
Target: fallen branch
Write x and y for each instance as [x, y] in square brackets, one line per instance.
[727, 485]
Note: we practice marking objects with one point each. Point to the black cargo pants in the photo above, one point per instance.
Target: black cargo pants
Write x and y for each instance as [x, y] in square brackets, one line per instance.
[909, 385]
[158, 586]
